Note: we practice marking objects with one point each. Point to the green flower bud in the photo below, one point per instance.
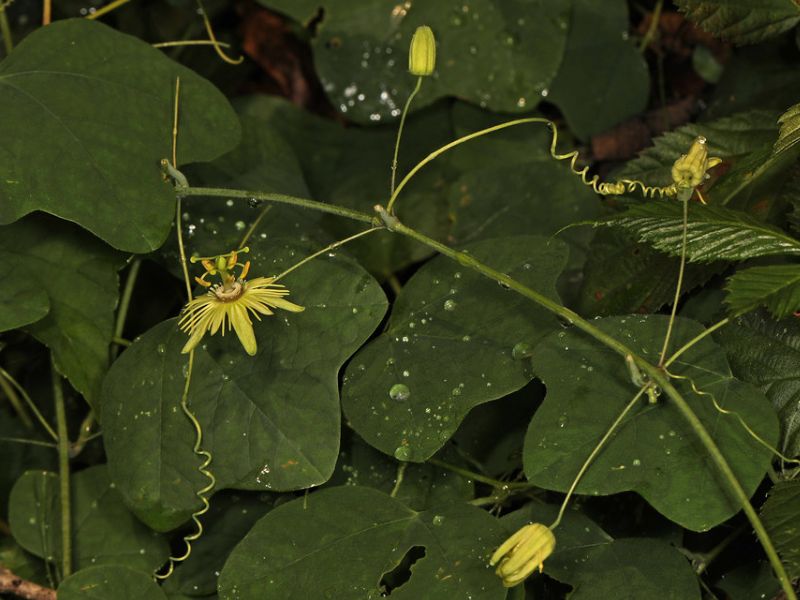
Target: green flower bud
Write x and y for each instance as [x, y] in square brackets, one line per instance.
[689, 170]
[523, 553]
[422, 55]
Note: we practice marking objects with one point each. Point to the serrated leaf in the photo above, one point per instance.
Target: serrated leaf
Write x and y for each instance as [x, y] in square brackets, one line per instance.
[654, 452]
[343, 540]
[781, 517]
[790, 129]
[728, 138]
[104, 532]
[742, 21]
[766, 352]
[82, 137]
[449, 346]
[78, 274]
[497, 53]
[110, 581]
[599, 58]
[775, 286]
[622, 276]
[271, 422]
[713, 232]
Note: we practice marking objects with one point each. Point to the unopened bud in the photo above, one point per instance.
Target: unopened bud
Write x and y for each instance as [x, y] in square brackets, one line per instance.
[422, 55]
[689, 170]
[523, 553]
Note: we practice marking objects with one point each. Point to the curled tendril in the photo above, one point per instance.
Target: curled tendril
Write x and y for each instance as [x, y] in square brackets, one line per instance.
[603, 188]
[732, 413]
[202, 493]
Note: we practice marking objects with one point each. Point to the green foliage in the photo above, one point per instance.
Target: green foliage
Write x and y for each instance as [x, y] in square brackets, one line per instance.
[454, 340]
[654, 452]
[101, 583]
[77, 130]
[481, 365]
[271, 421]
[766, 352]
[776, 286]
[782, 520]
[308, 544]
[743, 21]
[105, 532]
[80, 288]
[713, 233]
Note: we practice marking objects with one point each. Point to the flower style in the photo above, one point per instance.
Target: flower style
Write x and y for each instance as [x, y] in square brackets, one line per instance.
[230, 303]
[522, 553]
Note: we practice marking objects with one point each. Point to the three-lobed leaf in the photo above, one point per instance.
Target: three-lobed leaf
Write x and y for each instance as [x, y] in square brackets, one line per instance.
[343, 542]
[455, 339]
[87, 116]
[271, 421]
[654, 451]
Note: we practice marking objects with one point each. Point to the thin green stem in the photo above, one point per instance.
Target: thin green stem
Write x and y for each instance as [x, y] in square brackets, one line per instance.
[356, 215]
[400, 131]
[121, 341]
[63, 474]
[5, 31]
[125, 301]
[433, 155]
[651, 30]
[496, 483]
[252, 229]
[84, 434]
[655, 373]
[182, 249]
[34, 409]
[712, 554]
[16, 403]
[593, 454]
[658, 376]
[17, 440]
[695, 340]
[327, 248]
[401, 471]
[678, 286]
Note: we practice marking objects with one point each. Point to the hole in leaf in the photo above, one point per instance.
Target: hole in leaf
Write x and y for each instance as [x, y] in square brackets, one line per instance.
[393, 579]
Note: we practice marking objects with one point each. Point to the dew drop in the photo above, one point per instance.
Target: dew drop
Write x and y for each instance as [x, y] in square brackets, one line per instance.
[161, 348]
[438, 520]
[399, 391]
[636, 462]
[449, 305]
[521, 350]
[402, 453]
[562, 421]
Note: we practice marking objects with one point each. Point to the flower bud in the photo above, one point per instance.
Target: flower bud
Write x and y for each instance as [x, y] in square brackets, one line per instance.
[689, 170]
[422, 55]
[522, 553]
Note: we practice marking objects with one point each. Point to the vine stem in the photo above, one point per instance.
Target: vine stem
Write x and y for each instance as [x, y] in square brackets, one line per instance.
[63, 473]
[400, 131]
[6, 376]
[5, 31]
[106, 9]
[125, 302]
[401, 471]
[355, 215]
[16, 403]
[679, 285]
[655, 373]
[593, 454]
[495, 483]
[450, 146]
[696, 339]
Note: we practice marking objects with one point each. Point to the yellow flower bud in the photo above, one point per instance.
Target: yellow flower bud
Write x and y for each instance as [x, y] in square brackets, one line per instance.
[422, 55]
[689, 170]
[522, 553]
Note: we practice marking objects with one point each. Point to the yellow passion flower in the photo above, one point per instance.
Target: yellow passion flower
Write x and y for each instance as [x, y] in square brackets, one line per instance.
[230, 303]
[523, 553]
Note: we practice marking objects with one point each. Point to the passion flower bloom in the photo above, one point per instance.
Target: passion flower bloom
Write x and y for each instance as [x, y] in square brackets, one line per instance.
[230, 303]
[522, 553]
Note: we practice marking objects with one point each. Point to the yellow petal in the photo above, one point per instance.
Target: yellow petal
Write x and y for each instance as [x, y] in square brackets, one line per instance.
[244, 328]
